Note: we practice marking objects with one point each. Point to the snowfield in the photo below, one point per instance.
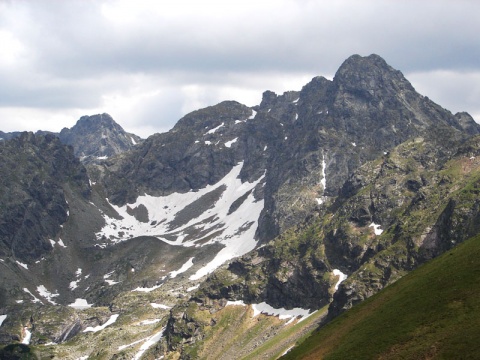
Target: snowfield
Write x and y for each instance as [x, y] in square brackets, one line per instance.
[176, 219]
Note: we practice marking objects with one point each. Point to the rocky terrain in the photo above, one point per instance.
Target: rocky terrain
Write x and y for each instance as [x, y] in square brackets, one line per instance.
[94, 138]
[239, 223]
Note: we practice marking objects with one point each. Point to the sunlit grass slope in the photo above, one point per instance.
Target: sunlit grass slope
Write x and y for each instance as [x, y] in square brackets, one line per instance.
[431, 313]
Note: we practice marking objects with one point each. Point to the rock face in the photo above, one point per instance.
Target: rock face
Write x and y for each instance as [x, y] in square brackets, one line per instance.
[360, 175]
[97, 136]
[93, 138]
[34, 170]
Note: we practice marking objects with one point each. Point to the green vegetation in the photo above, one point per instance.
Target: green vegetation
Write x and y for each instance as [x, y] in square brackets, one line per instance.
[432, 312]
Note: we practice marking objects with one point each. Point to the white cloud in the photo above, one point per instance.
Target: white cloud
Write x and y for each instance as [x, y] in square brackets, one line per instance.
[148, 62]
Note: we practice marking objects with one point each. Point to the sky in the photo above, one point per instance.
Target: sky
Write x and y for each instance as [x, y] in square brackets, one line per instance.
[147, 63]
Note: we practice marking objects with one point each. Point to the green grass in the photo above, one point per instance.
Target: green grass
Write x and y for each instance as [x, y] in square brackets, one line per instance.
[433, 312]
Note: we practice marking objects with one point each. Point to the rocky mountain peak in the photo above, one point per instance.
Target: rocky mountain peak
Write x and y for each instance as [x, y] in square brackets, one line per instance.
[97, 136]
[370, 75]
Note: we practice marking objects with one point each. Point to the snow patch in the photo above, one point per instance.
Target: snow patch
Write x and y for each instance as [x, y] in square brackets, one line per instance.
[323, 181]
[133, 141]
[208, 142]
[147, 290]
[109, 322]
[35, 299]
[296, 116]
[234, 230]
[253, 115]
[295, 101]
[102, 157]
[229, 143]
[214, 129]
[42, 290]
[28, 337]
[265, 148]
[184, 268]
[193, 288]
[25, 266]
[149, 322]
[80, 304]
[150, 342]
[60, 242]
[264, 308]
[235, 303]
[160, 306]
[341, 276]
[376, 228]
[123, 347]
[73, 284]
[2, 319]
[354, 144]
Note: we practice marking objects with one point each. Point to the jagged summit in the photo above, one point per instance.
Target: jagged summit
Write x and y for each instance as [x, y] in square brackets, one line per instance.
[98, 136]
[358, 176]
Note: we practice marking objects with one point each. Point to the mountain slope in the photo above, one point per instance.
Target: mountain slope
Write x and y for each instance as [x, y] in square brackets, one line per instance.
[299, 177]
[93, 137]
[433, 312]
[97, 136]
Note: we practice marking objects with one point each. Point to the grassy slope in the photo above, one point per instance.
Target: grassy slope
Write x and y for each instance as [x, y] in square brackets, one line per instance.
[433, 312]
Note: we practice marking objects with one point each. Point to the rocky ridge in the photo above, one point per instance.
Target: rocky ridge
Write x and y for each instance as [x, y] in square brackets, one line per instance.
[300, 173]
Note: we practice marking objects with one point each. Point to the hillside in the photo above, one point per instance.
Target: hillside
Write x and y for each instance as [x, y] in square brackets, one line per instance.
[431, 313]
[237, 232]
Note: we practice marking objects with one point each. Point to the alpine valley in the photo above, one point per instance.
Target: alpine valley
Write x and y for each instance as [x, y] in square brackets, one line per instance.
[240, 231]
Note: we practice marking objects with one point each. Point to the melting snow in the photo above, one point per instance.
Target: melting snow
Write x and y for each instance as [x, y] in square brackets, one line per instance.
[214, 129]
[123, 347]
[253, 115]
[80, 304]
[193, 288]
[150, 342]
[295, 101]
[22, 264]
[42, 290]
[147, 290]
[264, 308]
[208, 142]
[324, 179]
[341, 276]
[354, 144]
[184, 268]
[2, 319]
[35, 299]
[102, 157]
[109, 322]
[73, 285]
[60, 242]
[149, 322]
[376, 228]
[160, 306]
[296, 116]
[133, 141]
[229, 143]
[234, 230]
[27, 338]
[265, 148]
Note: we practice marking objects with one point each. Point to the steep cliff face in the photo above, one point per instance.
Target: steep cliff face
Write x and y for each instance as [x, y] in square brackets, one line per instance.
[34, 171]
[358, 176]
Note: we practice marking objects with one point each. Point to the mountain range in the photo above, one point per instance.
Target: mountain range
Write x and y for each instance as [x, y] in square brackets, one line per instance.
[239, 231]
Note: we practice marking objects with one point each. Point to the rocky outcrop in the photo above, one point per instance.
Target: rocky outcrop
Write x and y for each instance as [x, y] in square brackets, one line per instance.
[97, 137]
[34, 170]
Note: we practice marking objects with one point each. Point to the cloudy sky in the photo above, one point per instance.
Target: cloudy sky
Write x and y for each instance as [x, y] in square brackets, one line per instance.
[149, 62]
